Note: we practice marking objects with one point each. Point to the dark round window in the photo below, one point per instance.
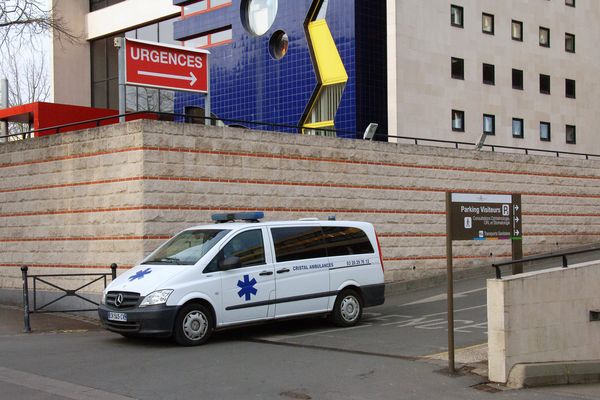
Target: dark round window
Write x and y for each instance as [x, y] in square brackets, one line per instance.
[278, 45]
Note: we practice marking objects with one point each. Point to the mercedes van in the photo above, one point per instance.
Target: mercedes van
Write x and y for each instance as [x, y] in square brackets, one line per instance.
[240, 271]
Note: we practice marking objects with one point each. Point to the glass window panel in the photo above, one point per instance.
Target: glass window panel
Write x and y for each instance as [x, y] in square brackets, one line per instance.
[488, 124]
[99, 95]
[113, 94]
[544, 37]
[221, 36]
[149, 33]
[165, 32]
[200, 41]
[487, 23]
[456, 16]
[217, 3]
[131, 98]
[98, 60]
[517, 127]
[342, 241]
[261, 15]
[298, 243]
[570, 42]
[147, 99]
[195, 7]
[112, 54]
[517, 30]
[571, 135]
[167, 101]
[457, 66]
[545, 131]
[458, 120]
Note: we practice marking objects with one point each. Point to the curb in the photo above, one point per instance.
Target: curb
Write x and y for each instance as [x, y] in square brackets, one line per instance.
[554, 373]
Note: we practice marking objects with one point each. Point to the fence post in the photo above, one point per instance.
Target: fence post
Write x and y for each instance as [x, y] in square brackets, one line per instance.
[113, 270]
[26, 319]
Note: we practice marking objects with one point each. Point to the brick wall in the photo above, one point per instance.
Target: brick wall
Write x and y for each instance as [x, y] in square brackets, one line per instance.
[80, 201]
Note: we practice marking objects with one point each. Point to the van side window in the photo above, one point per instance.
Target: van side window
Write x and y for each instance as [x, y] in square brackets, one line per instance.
[344, 241]
[248, 246]
[298, 243]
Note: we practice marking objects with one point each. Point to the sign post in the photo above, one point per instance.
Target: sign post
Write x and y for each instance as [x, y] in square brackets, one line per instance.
[162, 66]
[479, 217]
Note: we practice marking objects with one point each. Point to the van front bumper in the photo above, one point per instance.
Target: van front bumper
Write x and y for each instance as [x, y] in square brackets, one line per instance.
[147, 321]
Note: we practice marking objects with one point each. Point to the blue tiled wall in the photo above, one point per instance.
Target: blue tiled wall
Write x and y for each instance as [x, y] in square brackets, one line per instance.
[248, 84]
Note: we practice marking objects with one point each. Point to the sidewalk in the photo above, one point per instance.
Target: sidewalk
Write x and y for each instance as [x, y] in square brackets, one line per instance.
[11, 322]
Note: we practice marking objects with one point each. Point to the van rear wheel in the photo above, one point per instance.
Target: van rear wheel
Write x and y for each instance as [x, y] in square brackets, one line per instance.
[194, 325]
[347, 309]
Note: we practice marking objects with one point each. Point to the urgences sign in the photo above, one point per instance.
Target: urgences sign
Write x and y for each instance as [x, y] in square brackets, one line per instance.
[165, 66]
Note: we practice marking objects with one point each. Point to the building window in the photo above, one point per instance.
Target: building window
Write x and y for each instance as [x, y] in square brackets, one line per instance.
[517, 79]
[517, 128]
[99, 4]
[458, 121]
[489, 74]
[544, 84]
[569, 43]
[516, 30]
[545, 131]
[570, 3]
[489, 124]
[259, 15]
[456, 16]
[571, 134]
[457, 68]
[570, 88]
[544, 37]
[487, 23]
[104, 60]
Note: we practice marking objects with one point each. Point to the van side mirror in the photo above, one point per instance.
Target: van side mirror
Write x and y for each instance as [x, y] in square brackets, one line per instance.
[229, 263]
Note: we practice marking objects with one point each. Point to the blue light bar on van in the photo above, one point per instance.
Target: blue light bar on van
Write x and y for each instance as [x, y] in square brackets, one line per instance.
[240, 216]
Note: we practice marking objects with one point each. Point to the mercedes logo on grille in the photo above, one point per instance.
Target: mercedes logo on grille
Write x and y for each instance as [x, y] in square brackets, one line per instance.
[119, 300]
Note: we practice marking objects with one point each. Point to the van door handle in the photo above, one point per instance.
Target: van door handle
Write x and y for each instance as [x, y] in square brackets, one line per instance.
[283, 270]
[266, 273]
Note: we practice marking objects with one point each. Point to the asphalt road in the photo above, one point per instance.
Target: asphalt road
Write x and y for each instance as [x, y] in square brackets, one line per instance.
[303, 359]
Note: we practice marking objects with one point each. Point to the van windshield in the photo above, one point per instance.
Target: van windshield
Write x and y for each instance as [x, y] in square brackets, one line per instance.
[187, 248]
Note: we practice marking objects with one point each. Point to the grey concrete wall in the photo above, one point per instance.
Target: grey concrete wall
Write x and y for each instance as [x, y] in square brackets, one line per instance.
[542, 317]
[82, 200]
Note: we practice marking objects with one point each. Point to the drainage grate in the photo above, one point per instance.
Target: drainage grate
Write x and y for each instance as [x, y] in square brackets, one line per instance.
[484, 387]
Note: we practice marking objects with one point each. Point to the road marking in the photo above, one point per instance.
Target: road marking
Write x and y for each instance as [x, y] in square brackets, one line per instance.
[56, 387]
[286, 337]
[443, 296]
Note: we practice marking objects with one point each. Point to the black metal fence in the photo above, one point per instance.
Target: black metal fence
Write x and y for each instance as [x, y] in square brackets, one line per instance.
[66, 293]
[552, 260]
[268, 126]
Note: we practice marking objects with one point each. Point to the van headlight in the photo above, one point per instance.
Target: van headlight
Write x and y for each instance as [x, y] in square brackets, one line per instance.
[103, 300]
[158, 297]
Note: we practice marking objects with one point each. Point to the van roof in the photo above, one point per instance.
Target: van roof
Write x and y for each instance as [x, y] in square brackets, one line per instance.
[240, 225]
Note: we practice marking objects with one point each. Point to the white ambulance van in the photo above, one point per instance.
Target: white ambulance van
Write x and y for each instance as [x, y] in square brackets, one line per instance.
[231, 273]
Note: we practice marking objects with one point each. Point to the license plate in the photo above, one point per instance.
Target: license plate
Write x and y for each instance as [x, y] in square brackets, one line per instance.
[117, 316]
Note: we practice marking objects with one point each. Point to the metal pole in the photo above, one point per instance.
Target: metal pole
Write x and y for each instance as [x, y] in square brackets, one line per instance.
[207, 104]
[26, 319]
[121, 44]
[3, 104]
[450, 275]
[113, 270]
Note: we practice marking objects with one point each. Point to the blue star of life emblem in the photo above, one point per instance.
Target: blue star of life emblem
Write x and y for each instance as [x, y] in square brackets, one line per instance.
[140, 274]
[247, 287]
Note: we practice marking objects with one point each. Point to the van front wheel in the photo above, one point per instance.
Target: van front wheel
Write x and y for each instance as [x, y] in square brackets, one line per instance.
[193, 325]
[347, 309]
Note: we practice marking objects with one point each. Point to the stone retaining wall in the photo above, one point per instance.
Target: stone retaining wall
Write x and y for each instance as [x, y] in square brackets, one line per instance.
[82, 200]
